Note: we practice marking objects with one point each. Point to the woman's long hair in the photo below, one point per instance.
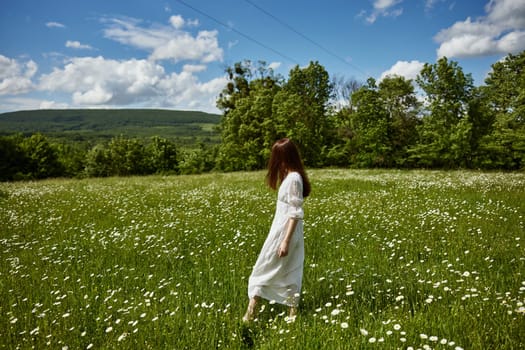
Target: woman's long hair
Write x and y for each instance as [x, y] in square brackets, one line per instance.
[285, 158]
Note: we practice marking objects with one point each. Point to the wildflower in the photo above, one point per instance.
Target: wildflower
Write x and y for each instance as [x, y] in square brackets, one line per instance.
[397, 326]
[344, 325]
[372, 340]
[433, 338]
[109, 329]
[363, 331]
[423, 336]
[289, 319]
[335, 312]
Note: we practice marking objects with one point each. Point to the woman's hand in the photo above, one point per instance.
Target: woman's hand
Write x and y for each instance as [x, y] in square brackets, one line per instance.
[283, 249]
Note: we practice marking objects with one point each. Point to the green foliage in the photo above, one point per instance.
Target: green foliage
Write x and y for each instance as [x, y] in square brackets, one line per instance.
[247, 106]
[444, 135]
[13, 159]
[104, 124]
[300, 111]
[41, 157]
[377, 125]
[198, 161]
[162, 155]
[259, 108]
[504, 93]
[128, 156]
[380, 126]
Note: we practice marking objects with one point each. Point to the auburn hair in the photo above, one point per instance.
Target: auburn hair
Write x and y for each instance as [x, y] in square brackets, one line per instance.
[285, 158]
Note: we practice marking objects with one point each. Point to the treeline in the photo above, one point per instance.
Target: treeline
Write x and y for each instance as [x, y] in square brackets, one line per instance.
[440, 120]
[39, 157]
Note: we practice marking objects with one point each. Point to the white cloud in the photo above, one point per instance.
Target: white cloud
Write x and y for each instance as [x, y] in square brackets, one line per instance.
[96, 81]
[232, 44]
[166, 42]
[45, 104]
[430, 4]
[55, 25]
[204, 48]
[409, 70]
[10, 103]
[501, 31]
[383, 8]
[16, 77]
[77, 45]
[177, 21]
[194, 68]
[383, 5]
[274, 65]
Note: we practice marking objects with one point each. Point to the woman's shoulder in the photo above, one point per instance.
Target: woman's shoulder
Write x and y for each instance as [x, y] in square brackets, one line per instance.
[294, 176]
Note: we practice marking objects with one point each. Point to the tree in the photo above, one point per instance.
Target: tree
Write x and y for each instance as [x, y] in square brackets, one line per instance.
[72, 156]
[504, 95]
[14, 162]
[341, 136]
[127, 157]
[247, 106]
[42, 157]
[120, 157]
[398, 98]
[162, 154]
[445, 132]
[98, 162]
[370, 125]
[300, 111]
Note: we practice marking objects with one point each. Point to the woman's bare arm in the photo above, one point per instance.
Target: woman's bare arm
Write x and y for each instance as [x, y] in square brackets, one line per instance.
[290, 229]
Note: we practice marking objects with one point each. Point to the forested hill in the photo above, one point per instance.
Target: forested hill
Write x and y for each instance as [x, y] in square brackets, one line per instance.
[110, 122]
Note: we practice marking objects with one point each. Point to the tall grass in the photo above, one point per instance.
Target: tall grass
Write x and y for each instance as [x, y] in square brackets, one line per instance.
[394, 259]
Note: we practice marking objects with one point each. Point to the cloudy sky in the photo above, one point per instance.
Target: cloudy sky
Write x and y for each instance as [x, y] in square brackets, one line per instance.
[172, 54]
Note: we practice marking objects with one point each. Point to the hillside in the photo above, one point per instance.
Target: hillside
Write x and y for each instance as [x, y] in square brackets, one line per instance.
[106, 123]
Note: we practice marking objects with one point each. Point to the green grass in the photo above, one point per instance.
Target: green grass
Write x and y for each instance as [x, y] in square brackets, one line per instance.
[394, 259]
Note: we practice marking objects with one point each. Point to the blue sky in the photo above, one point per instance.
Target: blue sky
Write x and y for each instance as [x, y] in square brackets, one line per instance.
[172, 54]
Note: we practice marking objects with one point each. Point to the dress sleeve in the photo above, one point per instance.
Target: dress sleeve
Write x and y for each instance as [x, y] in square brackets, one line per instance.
[295, 197]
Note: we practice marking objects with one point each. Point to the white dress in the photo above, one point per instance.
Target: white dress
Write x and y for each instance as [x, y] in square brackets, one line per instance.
[274, 278]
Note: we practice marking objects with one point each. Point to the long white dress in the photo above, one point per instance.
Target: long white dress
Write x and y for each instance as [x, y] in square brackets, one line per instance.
[274, 278]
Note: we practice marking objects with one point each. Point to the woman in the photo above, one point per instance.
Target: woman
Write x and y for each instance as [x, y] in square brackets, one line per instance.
[278, 273]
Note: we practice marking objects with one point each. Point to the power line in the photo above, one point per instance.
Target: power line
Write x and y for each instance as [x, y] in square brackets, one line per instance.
[303, 36]
[239, 32]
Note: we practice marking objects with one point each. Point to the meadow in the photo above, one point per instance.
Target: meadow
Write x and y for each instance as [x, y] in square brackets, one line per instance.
[394, 260]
